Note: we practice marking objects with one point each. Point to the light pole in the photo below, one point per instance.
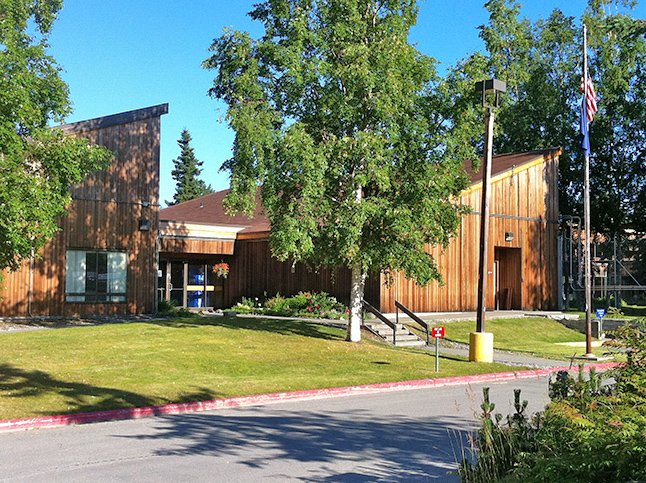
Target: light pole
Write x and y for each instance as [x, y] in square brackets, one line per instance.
[481, 342]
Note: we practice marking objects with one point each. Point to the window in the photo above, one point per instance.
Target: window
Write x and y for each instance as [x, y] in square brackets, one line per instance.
[96, 276]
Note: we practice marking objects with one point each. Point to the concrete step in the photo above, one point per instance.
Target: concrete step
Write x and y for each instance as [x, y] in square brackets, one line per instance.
[385, 328]
[403, 336]
[388, 332]
[407, 336]
[410, 343]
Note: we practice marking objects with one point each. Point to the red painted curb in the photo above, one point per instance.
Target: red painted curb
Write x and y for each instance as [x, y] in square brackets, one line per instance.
[132, 413]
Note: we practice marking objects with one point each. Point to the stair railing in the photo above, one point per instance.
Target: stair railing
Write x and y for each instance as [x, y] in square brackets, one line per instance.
[399, 306]
[369, 308]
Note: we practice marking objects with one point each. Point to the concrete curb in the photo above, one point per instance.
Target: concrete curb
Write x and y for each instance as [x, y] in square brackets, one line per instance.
[133, 413]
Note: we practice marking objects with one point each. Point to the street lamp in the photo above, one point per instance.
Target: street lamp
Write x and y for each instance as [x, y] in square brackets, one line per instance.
[481, 342]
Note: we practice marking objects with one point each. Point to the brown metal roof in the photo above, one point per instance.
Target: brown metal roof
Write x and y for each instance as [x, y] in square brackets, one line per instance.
[506, 162]
[114, 119]
[209, 210]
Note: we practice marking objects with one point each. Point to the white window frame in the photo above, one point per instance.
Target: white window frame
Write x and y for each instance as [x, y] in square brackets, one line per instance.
[100, 277]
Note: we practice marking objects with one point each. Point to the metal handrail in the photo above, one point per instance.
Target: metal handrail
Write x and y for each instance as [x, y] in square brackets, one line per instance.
[381, 317]
[399, 306]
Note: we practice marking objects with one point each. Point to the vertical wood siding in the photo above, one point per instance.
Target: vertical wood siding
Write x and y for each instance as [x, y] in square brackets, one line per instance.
[529, 193]
[255, 273]
[104, 215]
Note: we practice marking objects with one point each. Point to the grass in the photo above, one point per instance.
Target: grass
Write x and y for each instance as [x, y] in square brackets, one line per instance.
[634, 310]
[534, 335]
[134, 364]
[627, 312]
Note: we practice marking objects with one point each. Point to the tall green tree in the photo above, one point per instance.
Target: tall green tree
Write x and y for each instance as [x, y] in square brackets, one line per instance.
[542, 64]
[37, 164]
[618, 134]
[186, 173]
[338, 123]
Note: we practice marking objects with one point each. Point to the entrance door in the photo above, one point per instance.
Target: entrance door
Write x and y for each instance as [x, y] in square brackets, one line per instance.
[191, 284]
[176, 283]
[509, 288]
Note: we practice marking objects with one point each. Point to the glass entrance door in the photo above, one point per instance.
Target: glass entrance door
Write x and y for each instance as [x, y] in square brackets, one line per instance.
[176, 288]
[191, 284]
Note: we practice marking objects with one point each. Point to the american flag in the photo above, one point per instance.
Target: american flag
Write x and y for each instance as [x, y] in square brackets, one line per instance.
[590, 98]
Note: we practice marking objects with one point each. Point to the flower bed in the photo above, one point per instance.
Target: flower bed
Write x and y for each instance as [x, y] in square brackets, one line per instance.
[304, 304]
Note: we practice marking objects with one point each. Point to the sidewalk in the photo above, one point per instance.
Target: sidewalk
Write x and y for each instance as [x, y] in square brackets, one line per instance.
[492, 314]
[509, 358]
[502, 357]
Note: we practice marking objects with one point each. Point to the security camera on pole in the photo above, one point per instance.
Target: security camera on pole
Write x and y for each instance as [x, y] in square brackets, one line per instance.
[481, 342]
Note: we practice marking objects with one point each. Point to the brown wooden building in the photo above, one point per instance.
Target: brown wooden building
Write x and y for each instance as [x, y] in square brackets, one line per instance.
[196, 234]
[104, 259]
[117, 253]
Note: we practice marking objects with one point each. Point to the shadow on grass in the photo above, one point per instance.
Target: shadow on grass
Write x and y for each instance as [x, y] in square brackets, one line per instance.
[634, 311]
[80, 397]
[277, 326]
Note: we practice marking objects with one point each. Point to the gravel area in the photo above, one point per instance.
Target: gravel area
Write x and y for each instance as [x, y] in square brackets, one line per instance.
[41, 323]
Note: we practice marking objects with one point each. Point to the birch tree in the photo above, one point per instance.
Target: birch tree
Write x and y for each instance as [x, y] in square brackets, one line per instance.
[37, 164]
[338, 124]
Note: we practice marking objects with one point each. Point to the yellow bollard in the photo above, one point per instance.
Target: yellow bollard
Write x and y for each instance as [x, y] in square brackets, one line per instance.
[481, 347]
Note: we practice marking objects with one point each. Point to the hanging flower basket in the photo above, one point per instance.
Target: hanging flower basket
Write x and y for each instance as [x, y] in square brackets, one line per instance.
[221, 269]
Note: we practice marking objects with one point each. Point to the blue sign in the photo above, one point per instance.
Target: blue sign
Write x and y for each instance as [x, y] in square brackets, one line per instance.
[601, 313]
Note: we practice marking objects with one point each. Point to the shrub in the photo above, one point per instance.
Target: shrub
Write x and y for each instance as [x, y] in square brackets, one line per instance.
[246, 306]
[498, 445]
[592, 430]
[169, 308]
[303, 304]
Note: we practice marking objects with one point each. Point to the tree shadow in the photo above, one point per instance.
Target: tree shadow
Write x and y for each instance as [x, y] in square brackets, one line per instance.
[276, 326]
[81, 397]
[331, 446]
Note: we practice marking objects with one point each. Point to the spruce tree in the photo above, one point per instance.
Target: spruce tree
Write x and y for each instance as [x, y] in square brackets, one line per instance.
[186, 173]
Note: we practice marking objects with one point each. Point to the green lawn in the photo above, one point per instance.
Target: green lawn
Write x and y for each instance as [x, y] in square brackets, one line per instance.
[535, 335]
[627, 312]
[103, 367]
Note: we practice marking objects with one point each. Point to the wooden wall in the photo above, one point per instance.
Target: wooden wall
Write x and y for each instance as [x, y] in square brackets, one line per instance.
[169, 247]
[523, 201]
[528, 199]
[255, 273]
[104, 214]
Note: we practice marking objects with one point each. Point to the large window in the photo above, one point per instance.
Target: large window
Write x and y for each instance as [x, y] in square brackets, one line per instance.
[96, 276]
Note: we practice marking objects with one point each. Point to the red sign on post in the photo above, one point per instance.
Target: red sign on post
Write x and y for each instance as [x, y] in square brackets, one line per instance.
[437, 332]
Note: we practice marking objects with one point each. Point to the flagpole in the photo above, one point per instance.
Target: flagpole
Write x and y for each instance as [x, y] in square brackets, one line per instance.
[586, 203]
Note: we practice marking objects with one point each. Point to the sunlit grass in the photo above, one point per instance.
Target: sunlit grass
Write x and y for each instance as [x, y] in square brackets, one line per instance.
[147, 363]
[534, 335]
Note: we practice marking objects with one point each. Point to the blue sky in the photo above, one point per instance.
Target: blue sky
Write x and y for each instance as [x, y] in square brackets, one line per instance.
[120, 55]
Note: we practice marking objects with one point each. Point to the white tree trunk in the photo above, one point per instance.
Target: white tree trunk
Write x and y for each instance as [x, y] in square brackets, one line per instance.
[356, 303]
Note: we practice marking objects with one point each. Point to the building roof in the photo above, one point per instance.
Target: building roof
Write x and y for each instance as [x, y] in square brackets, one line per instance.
[502, 163]
[209, 210]
[114, 119]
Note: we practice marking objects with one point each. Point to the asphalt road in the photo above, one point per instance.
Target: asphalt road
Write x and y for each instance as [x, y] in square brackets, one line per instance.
[397, 436]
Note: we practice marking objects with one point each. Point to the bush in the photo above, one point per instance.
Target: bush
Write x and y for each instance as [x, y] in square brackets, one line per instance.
[303, 304]
[169, 308]
[592, 430]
